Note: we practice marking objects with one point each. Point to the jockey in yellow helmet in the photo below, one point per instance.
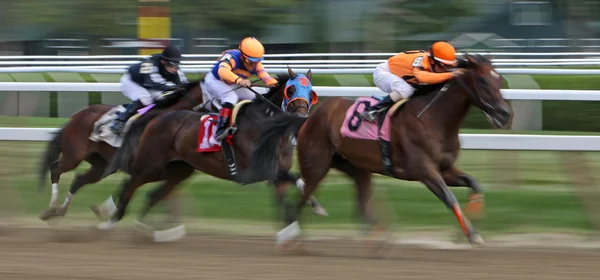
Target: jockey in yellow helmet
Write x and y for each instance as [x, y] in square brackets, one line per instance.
[403, 73]
[231, 71]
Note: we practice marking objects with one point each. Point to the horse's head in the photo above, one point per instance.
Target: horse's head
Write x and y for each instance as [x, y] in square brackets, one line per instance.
[483, 83]
[298, 95]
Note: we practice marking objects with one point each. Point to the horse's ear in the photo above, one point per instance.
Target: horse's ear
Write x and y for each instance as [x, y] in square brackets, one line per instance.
[309, 75]
[292, 74]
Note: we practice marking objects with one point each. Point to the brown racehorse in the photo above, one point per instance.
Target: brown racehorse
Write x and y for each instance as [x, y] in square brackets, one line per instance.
[71, 145]
[424, 143]
[167, 147]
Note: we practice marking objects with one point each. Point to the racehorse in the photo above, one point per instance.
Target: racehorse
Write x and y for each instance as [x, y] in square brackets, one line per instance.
[168, 147]
[415, 140]
[71, 145]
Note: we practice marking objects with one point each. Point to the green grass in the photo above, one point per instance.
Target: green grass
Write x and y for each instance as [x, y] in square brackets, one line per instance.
[541, 198]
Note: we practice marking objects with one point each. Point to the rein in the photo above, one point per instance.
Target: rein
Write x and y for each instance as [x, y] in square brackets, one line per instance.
[474, 95]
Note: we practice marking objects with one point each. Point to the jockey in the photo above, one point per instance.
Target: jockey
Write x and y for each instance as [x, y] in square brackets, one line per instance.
[401, 74]
[148, 79]
[228, 79]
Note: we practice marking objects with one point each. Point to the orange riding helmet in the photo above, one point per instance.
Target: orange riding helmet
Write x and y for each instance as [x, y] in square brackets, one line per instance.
[444, 53]
[252, 49]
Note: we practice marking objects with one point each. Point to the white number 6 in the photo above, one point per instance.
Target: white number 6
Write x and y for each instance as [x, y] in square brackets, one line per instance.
[146, 68]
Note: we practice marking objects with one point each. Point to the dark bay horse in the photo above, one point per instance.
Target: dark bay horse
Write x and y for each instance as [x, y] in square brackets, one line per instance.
[71, 145]
[423, 143]
[167, 147]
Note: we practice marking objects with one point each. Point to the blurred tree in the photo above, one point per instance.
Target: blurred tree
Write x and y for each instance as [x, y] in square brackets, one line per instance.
[75, 17]
[232, 18]
[396, 18]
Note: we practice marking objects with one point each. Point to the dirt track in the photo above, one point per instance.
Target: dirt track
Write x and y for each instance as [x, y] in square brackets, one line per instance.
[47, 254]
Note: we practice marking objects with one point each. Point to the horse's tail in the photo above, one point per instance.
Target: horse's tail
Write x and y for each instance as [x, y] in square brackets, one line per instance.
[265, 157]
[131, 139]
[51, 155]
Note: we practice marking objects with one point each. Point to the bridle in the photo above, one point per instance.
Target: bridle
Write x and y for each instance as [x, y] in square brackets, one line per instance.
[474, 94]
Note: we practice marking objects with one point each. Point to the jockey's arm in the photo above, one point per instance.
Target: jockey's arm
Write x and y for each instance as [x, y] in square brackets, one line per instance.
[182, 78]
[427, 77]
[226, 74]
[154, 81]
[264, 76]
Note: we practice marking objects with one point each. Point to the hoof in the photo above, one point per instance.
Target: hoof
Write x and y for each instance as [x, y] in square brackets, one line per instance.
[320, 211]
[287, 235]
[108, 225]
[476, 239]
[48, 214]
[105, 210]
[168, 235]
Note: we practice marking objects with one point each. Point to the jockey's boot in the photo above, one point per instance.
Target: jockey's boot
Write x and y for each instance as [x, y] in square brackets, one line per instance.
[370, 114]
[223, 128]
[121, 120]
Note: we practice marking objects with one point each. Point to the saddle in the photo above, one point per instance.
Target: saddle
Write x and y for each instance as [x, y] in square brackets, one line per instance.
[357, 128]
[207, 142]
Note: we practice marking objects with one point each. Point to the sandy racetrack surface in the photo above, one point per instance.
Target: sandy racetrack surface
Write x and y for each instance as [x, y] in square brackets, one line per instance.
[37, 253]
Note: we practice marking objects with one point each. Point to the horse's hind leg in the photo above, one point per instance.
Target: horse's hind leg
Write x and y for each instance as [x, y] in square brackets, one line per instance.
[65, 164]
[127, 190]
[454, 177]
[282, 178]
[93, 175]
[175, 174]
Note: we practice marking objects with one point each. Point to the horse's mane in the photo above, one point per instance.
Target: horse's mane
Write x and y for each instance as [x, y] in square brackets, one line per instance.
[281, 80]
[479, 59]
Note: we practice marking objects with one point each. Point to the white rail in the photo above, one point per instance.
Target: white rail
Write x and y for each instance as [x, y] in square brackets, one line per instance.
[283, 69]
[120, 57]
[468, 141]
[511, 94]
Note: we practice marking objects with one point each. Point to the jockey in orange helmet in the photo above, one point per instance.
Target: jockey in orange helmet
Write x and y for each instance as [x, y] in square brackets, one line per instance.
[401, 74]
[231, 71]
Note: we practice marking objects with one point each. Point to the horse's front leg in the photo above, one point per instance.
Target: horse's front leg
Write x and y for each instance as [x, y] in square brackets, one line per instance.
[433, 179]
[454, 177]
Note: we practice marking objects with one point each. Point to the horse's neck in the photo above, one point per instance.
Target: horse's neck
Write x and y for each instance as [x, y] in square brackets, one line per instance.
[450, 109]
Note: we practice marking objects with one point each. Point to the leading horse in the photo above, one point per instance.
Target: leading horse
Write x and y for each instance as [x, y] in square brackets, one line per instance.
[422, 142]
[168, 147]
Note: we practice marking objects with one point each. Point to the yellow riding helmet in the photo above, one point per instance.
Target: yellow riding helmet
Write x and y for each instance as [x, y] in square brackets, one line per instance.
[443, 52]
[252, 49]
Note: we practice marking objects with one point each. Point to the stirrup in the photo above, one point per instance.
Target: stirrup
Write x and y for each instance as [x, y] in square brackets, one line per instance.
[228, 131]
[223, 135]
[369, 115]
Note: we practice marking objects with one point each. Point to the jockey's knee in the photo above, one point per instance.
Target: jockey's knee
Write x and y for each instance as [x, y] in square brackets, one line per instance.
[230, 97]
[396, 96]
[245, 94]
[401, 90]
[146, 100]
